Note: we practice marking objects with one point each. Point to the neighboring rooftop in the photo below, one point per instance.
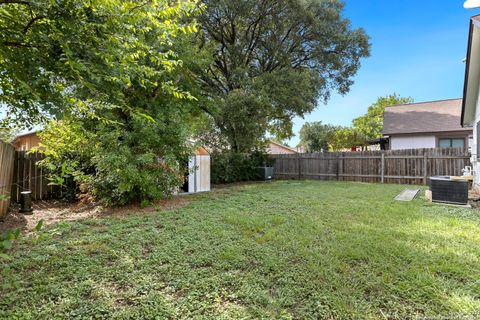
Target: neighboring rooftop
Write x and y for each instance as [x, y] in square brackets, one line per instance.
[432, 116]
[23, 135]
[278, 148]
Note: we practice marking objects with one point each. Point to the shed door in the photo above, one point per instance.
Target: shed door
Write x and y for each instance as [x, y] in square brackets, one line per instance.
[203, 173]
[199, 176]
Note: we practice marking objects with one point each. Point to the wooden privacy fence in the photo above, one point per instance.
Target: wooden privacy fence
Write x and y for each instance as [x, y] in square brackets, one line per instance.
[412, 166]
[28, 176]
[19, 172]
[7, 154]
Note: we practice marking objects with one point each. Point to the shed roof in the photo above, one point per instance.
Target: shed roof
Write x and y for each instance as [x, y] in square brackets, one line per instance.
[432, 116]
[23, 135]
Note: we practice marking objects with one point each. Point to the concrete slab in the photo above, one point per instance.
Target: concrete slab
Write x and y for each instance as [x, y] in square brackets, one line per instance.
[407, 195]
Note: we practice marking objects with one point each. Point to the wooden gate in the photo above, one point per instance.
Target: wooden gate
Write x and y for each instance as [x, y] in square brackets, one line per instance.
[28, 176]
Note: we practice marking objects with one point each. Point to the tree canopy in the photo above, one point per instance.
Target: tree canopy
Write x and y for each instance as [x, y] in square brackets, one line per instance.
[131, 81]
[370, 125]
[274, 60]
[367, 127]
[345, 138]
[114, 72]
[64, 57]
[316, 136]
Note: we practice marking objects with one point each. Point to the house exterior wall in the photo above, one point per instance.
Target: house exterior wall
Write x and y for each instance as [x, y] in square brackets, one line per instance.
[474, 159]
[273, 148]
[412, 142]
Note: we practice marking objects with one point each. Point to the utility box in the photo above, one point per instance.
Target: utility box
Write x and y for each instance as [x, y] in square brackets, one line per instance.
[446, 190]
[265, 173]
[198, 179]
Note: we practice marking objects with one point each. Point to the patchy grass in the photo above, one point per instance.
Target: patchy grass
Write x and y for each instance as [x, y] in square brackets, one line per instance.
[303, 250]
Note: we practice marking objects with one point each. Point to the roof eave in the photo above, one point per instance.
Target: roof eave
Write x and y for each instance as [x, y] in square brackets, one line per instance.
[470, 87]
[24, 135]
[283, 146]
[464, 129]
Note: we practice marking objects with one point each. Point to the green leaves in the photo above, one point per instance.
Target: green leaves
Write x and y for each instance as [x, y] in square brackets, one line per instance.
[316, 136]
[4, 256]
[285, 55]
[111, 74]
[370, 125]
[39, 225]
[367, 127]
[54, 54]
[6, 242]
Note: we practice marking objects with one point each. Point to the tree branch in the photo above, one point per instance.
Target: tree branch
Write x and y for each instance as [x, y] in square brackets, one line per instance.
[18, 45]
[139, 6]
[15, 2]
[32, 21]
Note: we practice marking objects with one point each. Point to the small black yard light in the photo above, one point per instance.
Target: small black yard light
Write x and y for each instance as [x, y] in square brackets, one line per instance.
[26, 202]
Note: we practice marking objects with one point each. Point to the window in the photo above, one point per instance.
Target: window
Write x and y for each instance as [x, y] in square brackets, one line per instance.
[451, 143]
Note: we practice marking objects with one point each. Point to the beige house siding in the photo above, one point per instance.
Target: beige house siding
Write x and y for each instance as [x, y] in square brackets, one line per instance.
[427, 140]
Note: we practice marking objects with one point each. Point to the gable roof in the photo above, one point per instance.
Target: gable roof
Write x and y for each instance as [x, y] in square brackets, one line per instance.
[472, 74]
[433, 116]
[282, 146]
[23, 135]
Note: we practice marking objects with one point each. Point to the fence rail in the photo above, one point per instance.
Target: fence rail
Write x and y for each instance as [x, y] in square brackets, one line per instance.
[412, 166]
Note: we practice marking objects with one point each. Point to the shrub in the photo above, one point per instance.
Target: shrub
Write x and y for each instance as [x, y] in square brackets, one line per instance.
[229, 167]
[116, 165]
[68, 151]
[145, 163]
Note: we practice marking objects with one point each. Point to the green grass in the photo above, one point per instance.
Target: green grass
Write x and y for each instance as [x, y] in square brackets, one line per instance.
[302, 250]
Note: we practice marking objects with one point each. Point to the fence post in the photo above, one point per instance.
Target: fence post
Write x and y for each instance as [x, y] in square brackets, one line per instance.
[383, 167]
[425, 161]
[338, 167]
[299, 166]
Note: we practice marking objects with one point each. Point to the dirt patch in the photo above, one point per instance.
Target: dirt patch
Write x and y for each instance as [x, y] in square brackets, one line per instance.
[53, 211]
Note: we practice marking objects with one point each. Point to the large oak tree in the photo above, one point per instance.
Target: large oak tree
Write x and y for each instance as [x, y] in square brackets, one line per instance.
[274, 60]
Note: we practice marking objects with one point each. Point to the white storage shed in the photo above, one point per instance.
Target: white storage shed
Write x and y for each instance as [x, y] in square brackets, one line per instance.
[198, 179]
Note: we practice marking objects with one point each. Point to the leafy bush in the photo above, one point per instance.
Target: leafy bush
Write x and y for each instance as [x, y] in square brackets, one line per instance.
[146, 163]
[229, 167]
[114, 165]
[67, 148]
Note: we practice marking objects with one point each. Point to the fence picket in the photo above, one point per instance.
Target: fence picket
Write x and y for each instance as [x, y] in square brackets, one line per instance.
[7, 157]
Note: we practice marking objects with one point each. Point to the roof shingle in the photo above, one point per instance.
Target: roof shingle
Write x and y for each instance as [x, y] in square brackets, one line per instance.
[434, 116]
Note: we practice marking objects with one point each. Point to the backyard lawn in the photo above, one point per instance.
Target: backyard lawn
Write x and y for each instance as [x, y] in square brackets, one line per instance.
[301, 250]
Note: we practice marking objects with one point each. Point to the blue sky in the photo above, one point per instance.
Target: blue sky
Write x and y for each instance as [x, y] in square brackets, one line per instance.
[417, 51]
